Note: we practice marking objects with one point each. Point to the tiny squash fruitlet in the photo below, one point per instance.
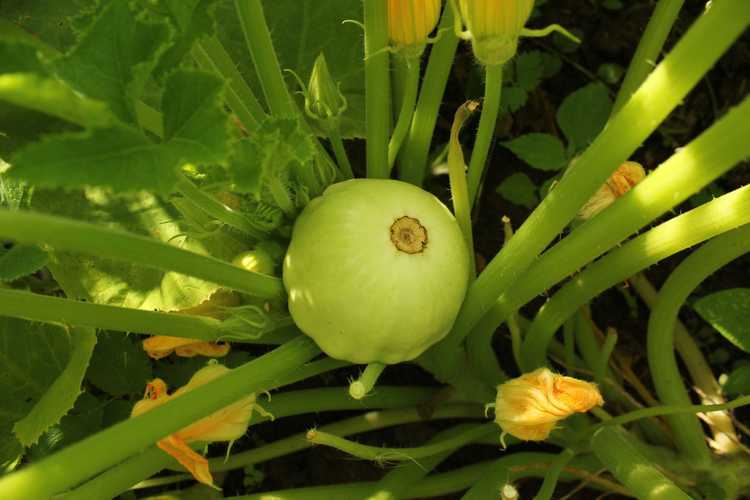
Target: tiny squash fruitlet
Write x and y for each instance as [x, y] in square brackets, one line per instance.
[376, 271]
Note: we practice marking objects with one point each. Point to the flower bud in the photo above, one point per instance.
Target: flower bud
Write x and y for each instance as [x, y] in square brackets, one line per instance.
[528, 407]
[494, 27]
[323, 99]
[409, 24]
[620, 182]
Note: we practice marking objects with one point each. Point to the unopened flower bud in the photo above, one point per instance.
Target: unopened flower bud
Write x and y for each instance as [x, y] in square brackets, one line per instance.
[620, 182]
[409, 24]
[323, 99]
[494, 27]
[529, 406]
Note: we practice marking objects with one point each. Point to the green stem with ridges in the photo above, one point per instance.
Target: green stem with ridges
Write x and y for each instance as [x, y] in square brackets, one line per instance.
[217, 209]
[116, 480]
[362, 423]
[718, 216]
[377, 88]
[416, 149]
[68, 234]
[661, 359]
[384, 455]
[361, 387]
[95, 454]
[345, 167]
[493, 86]
[686, 172]
[553, 475]
[648, 50]
[397, 483]
[210, 55]
[260, 46]
[615, 449]
[664, 89]
[407, 110]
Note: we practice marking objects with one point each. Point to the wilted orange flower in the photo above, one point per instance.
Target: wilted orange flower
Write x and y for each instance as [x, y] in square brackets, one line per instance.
[160, 346]
[494, 27]
[620, 182]
[227, 424]
[410, 22]
[529, 406]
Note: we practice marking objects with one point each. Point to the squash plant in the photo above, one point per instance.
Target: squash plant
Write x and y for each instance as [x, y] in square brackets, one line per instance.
[161, 176]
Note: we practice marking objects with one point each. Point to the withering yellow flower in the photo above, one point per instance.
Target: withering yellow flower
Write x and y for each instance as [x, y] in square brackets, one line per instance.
[410, 22]
[494, 27]
[160, 346]
[227, 424]
[528, 407]
[620, 182]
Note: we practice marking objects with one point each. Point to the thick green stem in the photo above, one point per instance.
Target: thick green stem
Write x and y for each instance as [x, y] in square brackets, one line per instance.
[211, 55]
[718, 216]
[68, 234]
[664, 89]
[648, 50]
[413, 158]
[662, 363]
[656, 411]
[384, 455]
[615, 449]
[406, 112]
[493, 86]
[345, 167]
[361, 387]
[217, 209]
[103, 450]
[260, 46]
[602, 363]
[377, 88]
[686, 172]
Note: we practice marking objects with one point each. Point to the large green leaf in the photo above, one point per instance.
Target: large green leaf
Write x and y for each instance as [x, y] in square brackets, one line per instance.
[302, 29]
[62, 394]
[195, 125]
[729, 312]
[120, 283]
[115, 57]
[120, 157]
[41, 370]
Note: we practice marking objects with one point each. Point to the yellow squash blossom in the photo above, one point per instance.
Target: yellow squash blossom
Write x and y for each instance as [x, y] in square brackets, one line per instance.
[529, 406]
[227, 424]
[410, 22]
